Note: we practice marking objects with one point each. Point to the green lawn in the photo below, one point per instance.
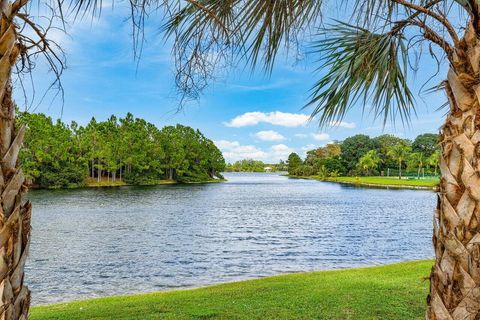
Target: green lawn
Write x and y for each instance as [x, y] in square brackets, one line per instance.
[393, 292]
[118, 183]
[383, 181]
[91, 182]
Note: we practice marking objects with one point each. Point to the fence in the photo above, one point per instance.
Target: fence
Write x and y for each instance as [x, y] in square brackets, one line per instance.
[424, 173]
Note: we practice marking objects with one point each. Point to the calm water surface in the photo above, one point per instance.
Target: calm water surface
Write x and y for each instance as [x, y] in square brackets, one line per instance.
[97, 242]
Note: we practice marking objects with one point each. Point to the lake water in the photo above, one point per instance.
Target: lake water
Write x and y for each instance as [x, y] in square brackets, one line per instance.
[97, 242]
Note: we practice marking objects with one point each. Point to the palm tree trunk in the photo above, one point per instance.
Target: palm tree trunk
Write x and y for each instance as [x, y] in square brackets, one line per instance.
[400, 170]
[15, 216]
[455, 277]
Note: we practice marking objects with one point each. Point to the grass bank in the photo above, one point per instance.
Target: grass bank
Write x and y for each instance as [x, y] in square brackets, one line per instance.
[385, 182]
[118, 183]
[395, 292]
[93, 183]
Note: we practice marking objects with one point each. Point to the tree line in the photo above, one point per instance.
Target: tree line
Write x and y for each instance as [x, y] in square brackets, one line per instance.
[132, 150]
[362, 155]
[250, 165]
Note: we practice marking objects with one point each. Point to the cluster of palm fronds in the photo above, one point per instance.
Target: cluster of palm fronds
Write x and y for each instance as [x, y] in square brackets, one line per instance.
[364, 61]
[360, 66]
[210, 35]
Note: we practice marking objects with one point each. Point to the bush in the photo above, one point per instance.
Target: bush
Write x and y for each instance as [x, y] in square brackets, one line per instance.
[142, 177]
[66, 175]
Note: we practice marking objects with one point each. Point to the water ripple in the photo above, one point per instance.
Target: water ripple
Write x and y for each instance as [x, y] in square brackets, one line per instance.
[95, 242]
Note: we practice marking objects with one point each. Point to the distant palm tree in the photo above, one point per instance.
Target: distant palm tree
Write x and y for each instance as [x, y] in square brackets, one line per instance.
[417, 161]
[434, 160]
[365, 62]
[369, 161]
[399, 153]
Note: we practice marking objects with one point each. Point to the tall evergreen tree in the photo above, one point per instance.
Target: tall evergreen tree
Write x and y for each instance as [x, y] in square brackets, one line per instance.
[128, 149]
[294, 162]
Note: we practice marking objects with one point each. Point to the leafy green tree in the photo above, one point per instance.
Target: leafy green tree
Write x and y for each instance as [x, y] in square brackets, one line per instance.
[384, 143]
[353, 148]
[247, 165]
[174, 152]
[426, 143]
[58, 156]
[328, 151]
[281, 166]
[51, 155]
[399, 153]
[416, 161]
[322, 172]
[294, 162]
[369, 161]
[304, 170]
[434, 160]
[334, 164]
[215, 162]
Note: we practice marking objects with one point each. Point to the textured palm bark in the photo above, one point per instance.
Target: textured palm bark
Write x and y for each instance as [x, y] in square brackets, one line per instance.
[14, 215]
[455, 278]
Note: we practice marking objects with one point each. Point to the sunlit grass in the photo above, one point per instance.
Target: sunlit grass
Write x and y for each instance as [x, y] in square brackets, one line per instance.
[395, 292]
[428, 182]
[118, 183]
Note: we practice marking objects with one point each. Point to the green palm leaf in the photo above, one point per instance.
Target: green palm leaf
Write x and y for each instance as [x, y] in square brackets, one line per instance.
[233, 30]
[361, 67]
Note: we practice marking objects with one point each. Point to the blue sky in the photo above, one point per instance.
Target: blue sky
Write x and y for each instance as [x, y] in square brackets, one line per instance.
[247, 115]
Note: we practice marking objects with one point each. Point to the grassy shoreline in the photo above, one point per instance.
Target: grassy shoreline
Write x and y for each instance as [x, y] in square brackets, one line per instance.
[379, 182]
[395, 292]
[93, 183]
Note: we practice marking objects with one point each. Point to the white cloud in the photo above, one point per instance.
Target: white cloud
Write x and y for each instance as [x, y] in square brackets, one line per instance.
[280, 83]
[277, 118]
[234, 151]
[321, 136]
[309, 147]
[279, 152]
[269, 135]
[245, 152]
[61, 38]
[225, 144]
[343, 124]
[301, 135]
[280, 148]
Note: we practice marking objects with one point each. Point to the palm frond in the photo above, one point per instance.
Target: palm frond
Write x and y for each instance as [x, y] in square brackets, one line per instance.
[231, 30]
[202, 36]
[213, 17]
[268, 25]
[373, 12]
[361, 67]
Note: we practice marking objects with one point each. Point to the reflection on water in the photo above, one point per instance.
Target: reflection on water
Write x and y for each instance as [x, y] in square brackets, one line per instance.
[96, 242]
